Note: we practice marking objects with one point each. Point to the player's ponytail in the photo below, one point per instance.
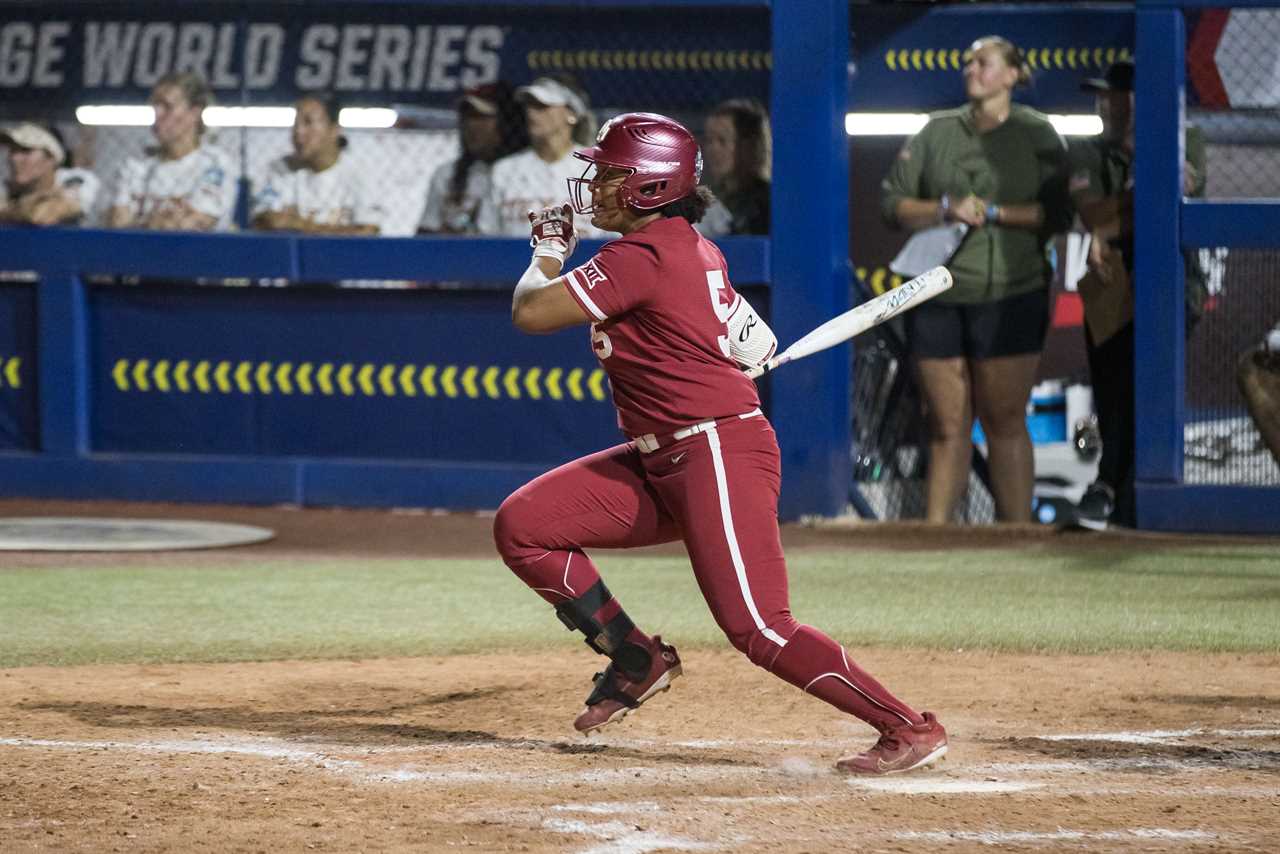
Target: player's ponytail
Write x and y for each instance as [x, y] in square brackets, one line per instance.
[692, 207]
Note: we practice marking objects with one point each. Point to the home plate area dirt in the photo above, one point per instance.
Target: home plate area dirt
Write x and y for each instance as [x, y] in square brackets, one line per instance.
[1163, 752]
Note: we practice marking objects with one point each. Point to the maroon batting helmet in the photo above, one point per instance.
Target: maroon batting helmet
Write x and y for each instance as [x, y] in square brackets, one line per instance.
[660, 154]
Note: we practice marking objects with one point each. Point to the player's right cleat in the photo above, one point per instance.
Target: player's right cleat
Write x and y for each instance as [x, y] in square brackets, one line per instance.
[906, 748]
[615, 695]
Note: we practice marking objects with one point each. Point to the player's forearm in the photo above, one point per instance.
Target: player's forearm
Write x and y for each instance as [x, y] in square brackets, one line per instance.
[56, 210]
[355, 229]
[1097, 212]
[915, 214]
[541, 272]
[1029, 216]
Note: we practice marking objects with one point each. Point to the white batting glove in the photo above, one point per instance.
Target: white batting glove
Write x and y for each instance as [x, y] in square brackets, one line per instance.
[553, 235]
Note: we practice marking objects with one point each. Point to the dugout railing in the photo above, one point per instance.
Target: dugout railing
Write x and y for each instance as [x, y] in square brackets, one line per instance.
[114, 391]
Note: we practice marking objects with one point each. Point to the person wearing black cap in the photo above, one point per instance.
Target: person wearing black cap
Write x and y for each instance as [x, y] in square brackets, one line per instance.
[1101, 188]
[39, 190]
[490, 126]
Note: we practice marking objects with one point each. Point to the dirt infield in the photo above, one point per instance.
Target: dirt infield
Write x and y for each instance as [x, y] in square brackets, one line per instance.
[1150, 752]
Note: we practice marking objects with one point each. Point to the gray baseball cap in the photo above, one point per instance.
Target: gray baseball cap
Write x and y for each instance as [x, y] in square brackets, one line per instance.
[551, 93]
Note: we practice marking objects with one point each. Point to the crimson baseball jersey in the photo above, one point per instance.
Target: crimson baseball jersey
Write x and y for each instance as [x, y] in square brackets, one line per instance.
[660, 298]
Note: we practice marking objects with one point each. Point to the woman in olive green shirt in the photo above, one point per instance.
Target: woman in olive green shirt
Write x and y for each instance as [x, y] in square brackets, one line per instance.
[999, 168]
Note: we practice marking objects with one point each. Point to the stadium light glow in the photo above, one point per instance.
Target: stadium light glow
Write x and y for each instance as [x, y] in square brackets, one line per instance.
[141, 115]
[883, 124]
[248, 117]
[117, 115]
[366, 117]
[906, 124]
[1077, 125]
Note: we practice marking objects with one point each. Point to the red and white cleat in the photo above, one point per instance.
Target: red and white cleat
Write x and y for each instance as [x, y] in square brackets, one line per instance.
[903, 749]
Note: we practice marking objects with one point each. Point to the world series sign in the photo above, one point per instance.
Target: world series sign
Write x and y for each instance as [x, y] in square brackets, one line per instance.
[413, 53]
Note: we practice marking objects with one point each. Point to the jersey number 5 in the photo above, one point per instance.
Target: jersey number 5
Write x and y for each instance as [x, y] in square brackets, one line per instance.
[715, 284]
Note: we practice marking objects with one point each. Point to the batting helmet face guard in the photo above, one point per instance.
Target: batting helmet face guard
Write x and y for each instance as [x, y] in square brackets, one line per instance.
[661, 158]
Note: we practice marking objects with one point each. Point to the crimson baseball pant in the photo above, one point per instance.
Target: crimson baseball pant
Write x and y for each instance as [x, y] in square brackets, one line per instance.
[716, 490]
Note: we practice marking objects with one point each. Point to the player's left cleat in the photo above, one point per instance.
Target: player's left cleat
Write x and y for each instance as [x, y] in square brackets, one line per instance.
[903, 749]
[615, 696]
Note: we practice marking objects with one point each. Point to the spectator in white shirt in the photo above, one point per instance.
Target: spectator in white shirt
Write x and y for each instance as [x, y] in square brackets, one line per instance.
[39, 191]
[559, 121]
[318, 189]
[183, 183]
[490, 126]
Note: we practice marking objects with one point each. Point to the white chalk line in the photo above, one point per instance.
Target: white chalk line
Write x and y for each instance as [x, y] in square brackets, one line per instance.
[610, 807]
[1160, 736]
[623, 838]
[1006, 837]
[942, 786]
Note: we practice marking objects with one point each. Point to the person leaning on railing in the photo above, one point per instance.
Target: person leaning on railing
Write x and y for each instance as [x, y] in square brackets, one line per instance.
[319, 188]
[183, 183]
[998, 167]
[40, 191]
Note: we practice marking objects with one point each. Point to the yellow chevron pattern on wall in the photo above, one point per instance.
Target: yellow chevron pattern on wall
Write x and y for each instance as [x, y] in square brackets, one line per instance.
[1039, 58]
[354, 379]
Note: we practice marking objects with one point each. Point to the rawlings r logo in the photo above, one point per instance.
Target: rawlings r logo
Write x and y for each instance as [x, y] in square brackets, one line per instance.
[746, 330]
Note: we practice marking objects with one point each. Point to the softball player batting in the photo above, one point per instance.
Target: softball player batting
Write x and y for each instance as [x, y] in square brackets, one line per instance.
[702, 462]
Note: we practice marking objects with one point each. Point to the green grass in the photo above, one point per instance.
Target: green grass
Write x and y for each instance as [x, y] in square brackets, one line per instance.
[1208, 599]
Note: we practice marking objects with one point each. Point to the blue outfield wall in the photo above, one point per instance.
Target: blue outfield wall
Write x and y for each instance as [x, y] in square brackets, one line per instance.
[163, 389]
[426, 396]
[19, 420]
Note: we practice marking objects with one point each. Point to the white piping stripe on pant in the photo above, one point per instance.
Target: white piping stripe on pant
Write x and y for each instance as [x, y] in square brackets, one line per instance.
[565, 582]
[869, 698]
[726, 515]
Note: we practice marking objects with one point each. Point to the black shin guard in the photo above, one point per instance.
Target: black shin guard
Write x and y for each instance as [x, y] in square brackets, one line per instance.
[609, 639]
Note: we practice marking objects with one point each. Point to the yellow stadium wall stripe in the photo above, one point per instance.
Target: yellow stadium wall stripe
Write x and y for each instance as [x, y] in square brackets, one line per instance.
[9, 372]
[349, 379]
[1066, 58]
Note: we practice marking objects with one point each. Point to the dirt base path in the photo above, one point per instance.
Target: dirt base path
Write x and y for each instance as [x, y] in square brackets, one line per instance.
[1134, 752]
[1160, 752]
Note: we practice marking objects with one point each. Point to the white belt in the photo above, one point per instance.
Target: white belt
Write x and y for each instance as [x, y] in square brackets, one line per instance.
[649, 442]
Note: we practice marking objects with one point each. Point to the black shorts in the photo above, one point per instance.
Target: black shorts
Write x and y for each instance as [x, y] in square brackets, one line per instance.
[1013, 326]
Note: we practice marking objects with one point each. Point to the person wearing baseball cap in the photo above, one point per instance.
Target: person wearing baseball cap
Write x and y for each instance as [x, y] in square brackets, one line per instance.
[1101, 189]
[559, 118]
[490, 126]
[39, 191]
[1114, 93]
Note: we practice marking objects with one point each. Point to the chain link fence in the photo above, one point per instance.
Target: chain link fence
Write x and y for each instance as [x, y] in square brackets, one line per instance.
[889, 439]
[454, 125]
[1223, 443]
[1233, 76]
[1233, 89]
